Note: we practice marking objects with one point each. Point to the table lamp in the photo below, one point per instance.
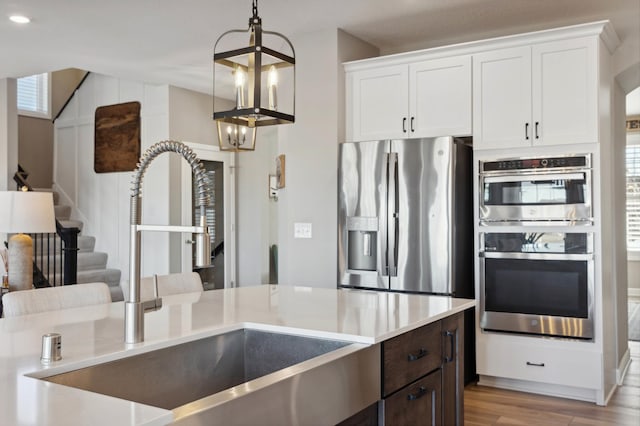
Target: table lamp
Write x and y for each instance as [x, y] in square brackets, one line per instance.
[20, 213]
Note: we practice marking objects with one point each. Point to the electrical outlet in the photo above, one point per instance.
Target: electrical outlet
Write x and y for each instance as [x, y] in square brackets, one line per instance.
[302, 230]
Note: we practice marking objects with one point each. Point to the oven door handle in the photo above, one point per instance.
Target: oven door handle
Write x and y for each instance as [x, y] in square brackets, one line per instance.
[517, 177]
[536, 256]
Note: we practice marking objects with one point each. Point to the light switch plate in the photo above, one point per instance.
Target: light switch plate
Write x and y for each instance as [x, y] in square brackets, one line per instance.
[302, 230]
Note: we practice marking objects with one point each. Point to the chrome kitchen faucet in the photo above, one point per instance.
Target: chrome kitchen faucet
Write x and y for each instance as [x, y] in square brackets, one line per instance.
[134, 308]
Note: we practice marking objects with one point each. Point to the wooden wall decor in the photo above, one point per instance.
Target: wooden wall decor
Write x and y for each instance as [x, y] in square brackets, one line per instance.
[117, 138]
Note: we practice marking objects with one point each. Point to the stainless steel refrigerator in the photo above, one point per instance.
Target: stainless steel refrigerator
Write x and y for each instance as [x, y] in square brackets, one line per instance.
[405, 216]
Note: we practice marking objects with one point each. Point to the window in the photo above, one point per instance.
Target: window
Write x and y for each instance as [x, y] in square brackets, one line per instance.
[633, 196]
[33, 96]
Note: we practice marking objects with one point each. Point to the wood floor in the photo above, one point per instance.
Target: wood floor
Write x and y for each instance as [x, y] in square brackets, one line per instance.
[489, 406]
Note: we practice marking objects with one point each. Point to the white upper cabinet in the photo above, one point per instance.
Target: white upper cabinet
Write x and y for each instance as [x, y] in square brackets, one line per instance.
[420, 99]
[377, 101]
[565, 92]
[545, 94]
[440, 97]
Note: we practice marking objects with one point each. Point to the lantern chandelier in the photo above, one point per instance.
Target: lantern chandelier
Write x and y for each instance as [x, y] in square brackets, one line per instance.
[263, 81]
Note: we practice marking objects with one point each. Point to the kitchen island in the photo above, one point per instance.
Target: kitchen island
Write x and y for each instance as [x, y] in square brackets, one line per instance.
[94, 335]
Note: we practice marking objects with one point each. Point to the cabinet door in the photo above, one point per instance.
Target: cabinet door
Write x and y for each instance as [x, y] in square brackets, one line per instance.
[453, 370]
[440, 97]
[419, 403]
[502, 98]
[565, 87]
[377, 103]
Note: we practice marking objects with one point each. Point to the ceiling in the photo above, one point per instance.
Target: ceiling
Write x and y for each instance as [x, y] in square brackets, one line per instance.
[171, 42]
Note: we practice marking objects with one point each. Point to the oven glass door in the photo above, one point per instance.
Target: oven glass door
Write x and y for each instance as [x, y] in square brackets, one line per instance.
[537, 287]
[534, 293]
[536, 196]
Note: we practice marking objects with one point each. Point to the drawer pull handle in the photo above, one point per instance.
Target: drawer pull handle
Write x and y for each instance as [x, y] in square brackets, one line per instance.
[421, 392]
[421, 353]
[404, 124]
[535, 364]
[452, 347]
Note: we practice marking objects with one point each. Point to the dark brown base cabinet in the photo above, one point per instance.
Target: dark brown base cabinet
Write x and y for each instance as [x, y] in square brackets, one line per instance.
[422, 378]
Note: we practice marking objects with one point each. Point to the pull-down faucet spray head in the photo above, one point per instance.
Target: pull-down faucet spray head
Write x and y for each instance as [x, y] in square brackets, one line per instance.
[134, 307]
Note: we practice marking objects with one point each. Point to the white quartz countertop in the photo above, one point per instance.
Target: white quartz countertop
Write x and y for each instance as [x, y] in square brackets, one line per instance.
[95, 334]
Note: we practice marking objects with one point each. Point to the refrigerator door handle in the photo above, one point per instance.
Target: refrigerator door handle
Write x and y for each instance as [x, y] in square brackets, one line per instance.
[392, 214]
[384, 224]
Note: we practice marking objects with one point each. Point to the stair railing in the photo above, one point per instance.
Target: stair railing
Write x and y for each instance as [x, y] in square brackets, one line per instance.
[51, 269]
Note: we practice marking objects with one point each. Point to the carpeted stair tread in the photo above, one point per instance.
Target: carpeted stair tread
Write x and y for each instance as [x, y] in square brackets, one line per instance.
[86, 261]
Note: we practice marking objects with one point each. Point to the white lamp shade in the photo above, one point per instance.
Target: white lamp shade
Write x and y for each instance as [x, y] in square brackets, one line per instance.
[26, 212]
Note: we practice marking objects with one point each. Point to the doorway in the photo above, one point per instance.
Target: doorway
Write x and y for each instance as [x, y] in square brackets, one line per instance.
[219, 213]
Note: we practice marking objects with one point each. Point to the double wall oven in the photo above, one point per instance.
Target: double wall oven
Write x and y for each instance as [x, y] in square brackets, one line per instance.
[538, 276]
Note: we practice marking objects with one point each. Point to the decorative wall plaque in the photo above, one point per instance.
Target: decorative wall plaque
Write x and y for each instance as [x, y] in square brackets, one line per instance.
[117, 138]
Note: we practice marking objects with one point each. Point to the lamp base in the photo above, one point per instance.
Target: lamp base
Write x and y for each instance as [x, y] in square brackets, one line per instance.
[20, 262]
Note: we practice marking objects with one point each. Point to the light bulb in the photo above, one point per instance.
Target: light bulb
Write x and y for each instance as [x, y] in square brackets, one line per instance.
[240, 77]
[272, 83]
[229, 130]
[273, 76]
[244, 130]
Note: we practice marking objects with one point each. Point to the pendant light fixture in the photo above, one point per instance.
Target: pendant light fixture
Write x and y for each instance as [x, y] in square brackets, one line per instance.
[262, 80]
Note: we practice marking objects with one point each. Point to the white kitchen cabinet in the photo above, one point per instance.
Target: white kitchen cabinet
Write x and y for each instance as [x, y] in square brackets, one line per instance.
[420, 99]
[377, 101]
[535, 360]
[543, 94]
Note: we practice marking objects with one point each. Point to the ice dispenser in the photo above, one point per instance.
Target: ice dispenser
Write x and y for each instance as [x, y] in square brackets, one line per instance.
[362, 243]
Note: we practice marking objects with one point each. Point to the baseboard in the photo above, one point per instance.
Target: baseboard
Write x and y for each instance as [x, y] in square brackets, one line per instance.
[581, 394]
[623, 366]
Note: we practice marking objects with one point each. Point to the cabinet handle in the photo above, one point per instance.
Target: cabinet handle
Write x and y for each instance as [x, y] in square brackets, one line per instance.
[421, 353]
[535, 364]
[537, 124]
[412, 129]
[404, 124]
[526, 131]
[421, 392]
[452, 349]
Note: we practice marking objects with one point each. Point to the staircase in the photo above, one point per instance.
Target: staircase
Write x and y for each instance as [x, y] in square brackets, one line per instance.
[92, 265]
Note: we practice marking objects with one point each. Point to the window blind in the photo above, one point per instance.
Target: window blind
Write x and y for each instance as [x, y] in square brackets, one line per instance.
[33, 94]
[633, 196]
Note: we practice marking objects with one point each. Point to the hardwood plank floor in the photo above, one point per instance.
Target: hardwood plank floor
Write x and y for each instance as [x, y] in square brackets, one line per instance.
[490, 406]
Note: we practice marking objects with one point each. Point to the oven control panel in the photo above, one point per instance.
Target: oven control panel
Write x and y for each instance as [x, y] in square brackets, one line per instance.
[574, 161]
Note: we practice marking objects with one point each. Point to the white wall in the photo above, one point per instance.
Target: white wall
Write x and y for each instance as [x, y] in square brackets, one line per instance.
[101, 201]
[311, 149]
[256, 213]
[8, 133]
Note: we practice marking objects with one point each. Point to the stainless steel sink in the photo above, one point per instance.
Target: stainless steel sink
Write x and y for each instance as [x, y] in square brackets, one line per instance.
[237, 373]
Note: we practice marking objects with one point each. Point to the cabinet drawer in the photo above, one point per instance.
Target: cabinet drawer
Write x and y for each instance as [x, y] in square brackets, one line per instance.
[540, 363]
[417, 404]
[411, 356]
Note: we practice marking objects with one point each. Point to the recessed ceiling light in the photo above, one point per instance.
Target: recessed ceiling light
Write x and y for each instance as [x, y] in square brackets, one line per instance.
[19, 19]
